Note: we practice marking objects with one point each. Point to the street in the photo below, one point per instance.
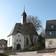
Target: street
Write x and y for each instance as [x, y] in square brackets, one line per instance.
[33, 54]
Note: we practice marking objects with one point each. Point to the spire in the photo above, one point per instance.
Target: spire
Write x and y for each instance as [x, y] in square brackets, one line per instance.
[24, 16]
[24, 9]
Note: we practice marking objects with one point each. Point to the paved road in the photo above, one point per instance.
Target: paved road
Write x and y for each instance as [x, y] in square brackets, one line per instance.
[33, 54]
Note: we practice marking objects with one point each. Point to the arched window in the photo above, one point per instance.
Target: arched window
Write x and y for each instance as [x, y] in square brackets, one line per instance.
[27, 41]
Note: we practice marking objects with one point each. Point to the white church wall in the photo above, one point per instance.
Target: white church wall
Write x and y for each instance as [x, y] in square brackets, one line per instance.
[9, 44]
[18, 39]
[50, 43]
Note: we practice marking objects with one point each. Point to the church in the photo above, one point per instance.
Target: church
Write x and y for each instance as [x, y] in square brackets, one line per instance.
[23, 35]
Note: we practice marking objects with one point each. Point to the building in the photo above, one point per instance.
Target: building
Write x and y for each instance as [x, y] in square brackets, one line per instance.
[50, 39]
[22, 33]
[3, 44]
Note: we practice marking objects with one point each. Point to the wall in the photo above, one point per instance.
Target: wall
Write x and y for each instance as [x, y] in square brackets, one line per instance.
[9, 44]
[15, 39]
[25, 41]
[18, 39]
[50, 43]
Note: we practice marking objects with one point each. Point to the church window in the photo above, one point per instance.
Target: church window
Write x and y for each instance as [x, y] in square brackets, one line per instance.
[20, 40]
[17, 40]
[18, 35]
[27, 41]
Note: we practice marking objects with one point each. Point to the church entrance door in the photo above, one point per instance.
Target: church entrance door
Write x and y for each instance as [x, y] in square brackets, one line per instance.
[18, 47]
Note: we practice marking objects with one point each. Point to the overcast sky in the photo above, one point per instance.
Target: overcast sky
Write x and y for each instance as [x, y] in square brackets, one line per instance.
[11, 11]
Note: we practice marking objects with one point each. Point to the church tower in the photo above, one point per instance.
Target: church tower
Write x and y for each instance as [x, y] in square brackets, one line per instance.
[24, 16]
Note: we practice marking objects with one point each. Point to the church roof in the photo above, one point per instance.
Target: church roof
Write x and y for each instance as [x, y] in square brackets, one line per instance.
[17, 28]
[24, 13]
[23, 28]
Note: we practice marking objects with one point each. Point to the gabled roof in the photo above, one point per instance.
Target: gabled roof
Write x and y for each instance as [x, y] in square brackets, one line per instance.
[17, 28]
[27, 28]
[50, 23]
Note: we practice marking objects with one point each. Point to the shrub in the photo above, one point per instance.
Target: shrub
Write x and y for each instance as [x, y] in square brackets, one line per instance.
[41, 42]
[3, 54]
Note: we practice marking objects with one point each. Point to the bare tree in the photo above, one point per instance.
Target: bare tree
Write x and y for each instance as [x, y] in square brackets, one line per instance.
[35, 21]
[33, 26]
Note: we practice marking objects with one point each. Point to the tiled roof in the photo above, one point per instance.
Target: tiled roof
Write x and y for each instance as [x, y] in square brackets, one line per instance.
[23, 28]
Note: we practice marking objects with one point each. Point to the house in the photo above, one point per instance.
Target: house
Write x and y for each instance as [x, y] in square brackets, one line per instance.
[3, 44]
[23, 34]
[50, 39]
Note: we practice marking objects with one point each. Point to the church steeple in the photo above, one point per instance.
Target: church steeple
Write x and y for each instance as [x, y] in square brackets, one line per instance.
[24, 16]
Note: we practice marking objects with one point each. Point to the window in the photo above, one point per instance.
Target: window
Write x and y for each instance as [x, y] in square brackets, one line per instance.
[52, 26]
[17, 40]
[18, 35]
[50, 33]
[27, 42]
